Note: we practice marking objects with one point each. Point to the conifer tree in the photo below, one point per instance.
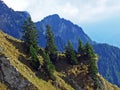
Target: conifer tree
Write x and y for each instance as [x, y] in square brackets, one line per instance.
[81, 50]
[34, 59]
[89, 51]
[30, 40]
[49, 67]
[70, 54]
[30, 34]
[51, 48]
[92, 64]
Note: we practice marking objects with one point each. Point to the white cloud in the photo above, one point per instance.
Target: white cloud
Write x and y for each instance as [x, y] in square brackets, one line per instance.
[79, 11]
[17, 4]
[70, 10]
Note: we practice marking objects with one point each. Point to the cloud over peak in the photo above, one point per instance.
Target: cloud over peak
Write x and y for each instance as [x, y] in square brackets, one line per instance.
[79, 11]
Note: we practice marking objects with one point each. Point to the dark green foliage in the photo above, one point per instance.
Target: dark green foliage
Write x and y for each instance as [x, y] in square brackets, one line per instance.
[48, 66]
[51, 48]
[81, 50]
[70, 54]
[92, 64]
[93, 72]
[89, 51]
[30, 40]
[30, 34]
[34, 59]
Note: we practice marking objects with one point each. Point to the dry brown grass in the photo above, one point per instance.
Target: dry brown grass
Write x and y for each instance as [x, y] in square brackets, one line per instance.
[79, 73]
[12, 48]
[76, 73]
[61, 82]
[3, 86]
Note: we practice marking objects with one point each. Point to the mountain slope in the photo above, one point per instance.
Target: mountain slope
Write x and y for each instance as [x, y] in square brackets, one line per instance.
[11, 21]
[108, 64]
[12, 48]
[66, 30]
[108, 86]
[63, 30]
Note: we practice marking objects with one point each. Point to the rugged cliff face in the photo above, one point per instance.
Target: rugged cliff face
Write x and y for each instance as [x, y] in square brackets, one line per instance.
[10, 76]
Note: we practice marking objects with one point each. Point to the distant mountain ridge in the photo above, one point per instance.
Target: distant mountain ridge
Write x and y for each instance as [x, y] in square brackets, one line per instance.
[11, 23]
[109, 62]
[63, 30]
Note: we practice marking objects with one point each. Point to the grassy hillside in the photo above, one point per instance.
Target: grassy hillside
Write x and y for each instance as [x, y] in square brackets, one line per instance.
[12, 48]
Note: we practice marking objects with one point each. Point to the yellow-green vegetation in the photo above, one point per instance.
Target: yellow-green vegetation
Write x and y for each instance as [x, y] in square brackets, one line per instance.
[3, 86]
[12, 48]
[41, 60]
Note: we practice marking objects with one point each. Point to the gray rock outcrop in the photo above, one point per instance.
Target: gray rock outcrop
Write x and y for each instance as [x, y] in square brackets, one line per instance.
[12, 78]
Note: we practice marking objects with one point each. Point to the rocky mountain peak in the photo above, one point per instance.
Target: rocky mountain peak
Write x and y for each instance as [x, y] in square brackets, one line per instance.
[54, 16]
[63, 30]
[2, 3]
[4, 8]
[11, 21]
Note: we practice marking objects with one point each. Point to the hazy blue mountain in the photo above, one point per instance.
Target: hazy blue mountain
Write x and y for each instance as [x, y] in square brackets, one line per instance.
[63, 30]
[11, 21]
[109, 62]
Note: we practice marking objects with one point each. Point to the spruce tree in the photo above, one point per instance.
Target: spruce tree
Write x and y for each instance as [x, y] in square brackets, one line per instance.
[49, 67]
[33, 57]
[30, 35]
[89, 51]
[92, 64]
[70, 54]
[81, 50]
[51, 48]
[30, 41]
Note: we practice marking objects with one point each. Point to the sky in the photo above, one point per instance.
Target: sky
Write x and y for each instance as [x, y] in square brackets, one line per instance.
[99, 19]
